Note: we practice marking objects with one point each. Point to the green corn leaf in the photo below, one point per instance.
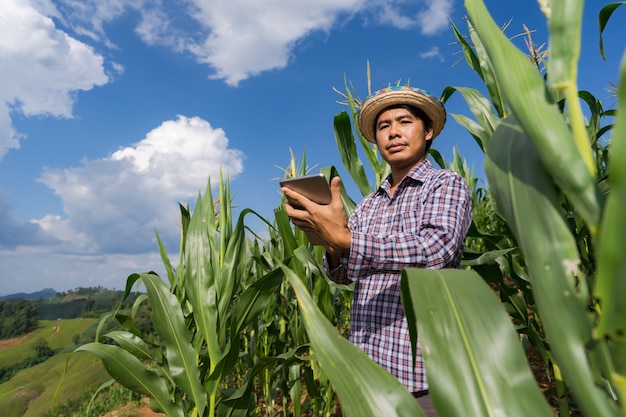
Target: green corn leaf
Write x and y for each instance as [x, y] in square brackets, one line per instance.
[127, 323]
[527, 199]
[610, 288]
[480, 135]
[347, 149]
[131, 373]
[170, 325]
[370, 151]
[468, 52]
[201, 262]
[603, 19]
[488, 73]
[481, 108]
[241, 401]
[565, 23]
[526, 93]
[474, 360]
[367, 389]
[439, 159]
[348, 204]
[131, 343]
[283, 224]
[185, 218]
[485, 258]
[295, 389]
[254, 300]
[171, 275]
[233, 267]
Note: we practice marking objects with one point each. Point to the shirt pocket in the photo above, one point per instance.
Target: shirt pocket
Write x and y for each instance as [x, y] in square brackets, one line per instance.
[410, 222]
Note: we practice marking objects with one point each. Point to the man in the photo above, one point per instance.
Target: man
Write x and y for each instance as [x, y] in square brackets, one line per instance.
[418, 218]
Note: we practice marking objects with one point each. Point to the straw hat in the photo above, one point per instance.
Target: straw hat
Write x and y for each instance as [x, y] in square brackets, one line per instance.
[375, 103]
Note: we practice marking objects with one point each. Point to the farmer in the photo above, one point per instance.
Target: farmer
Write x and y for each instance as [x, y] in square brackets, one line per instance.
[418, 218]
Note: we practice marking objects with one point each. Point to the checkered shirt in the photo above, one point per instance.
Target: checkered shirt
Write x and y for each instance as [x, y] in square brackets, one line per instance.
[422, 225]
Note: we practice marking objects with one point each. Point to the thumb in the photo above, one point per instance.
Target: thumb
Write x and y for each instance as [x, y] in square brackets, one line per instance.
[335, 188]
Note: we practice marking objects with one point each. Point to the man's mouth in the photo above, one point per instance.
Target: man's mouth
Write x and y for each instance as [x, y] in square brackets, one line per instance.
[396, 146]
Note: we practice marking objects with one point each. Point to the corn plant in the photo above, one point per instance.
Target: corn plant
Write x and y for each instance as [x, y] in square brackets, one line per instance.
[550, 180]
[198, 319]
[228, 319]
[546, 175]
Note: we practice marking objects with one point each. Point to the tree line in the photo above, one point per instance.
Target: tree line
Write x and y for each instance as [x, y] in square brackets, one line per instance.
[17, 317]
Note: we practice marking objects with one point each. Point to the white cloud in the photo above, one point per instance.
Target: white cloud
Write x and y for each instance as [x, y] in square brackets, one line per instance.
[16, 233]
[436, 17]
[246, 37]
[239, 39]
[115, 204]
[432, 53]
[403, 14]
[64, 272]
[42, 67]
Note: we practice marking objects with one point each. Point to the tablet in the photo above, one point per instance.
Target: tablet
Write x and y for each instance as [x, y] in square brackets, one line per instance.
[315, 188]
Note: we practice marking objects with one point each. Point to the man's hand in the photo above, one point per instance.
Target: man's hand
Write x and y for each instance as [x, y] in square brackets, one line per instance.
[328, 221]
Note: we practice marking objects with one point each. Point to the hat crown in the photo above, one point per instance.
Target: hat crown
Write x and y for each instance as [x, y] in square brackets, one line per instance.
[401, 88]
[386, 97]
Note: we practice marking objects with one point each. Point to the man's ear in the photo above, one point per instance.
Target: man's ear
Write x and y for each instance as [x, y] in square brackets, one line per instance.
[429, 134]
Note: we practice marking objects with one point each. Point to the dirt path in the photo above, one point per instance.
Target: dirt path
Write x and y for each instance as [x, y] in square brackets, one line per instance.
[7, 343]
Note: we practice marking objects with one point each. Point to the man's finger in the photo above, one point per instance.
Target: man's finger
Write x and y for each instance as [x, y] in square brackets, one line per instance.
[294, 198]
[335, 188]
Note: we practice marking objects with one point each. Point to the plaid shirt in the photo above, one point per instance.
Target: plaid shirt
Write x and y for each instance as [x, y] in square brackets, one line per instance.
[423, 224]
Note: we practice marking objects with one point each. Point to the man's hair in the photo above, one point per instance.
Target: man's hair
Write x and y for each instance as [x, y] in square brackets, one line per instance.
[415, 111]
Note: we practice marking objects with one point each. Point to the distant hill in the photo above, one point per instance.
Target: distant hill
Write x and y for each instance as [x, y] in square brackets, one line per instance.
[79, 302]
[45, 293]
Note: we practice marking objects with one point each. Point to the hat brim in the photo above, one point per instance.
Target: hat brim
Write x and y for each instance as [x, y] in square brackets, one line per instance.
[377, 103]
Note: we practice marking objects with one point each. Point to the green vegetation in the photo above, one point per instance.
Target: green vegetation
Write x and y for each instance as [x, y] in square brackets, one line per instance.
[248, 326]
[33, 366]
[30, 389]
[19, 313]
[114, 397]
[58, 334]
[17, 317]
[227, 314]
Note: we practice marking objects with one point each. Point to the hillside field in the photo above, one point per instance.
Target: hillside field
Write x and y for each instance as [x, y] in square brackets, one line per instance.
[30, 392]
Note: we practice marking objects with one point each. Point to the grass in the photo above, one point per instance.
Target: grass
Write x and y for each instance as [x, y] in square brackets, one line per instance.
[67, 330]
[30, 392]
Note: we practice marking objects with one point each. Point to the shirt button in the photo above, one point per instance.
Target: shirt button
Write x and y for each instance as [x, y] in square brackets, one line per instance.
[371, 294]
[367, 328]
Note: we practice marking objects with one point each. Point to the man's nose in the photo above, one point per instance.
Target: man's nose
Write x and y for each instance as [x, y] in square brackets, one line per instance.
[394, 130]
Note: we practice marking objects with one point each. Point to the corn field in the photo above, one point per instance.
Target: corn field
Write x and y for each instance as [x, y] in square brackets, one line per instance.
[251, 326]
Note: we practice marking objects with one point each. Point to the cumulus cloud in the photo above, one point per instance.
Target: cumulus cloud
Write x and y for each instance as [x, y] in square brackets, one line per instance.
[16, 233]
[239, 39]
[115, 204]
[432, 53]
[42, 67]
[62, 272]
[246, 37]
[429, 16]
[436, 17]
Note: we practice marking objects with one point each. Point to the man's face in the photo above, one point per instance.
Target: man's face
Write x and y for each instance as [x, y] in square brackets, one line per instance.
[401, 138]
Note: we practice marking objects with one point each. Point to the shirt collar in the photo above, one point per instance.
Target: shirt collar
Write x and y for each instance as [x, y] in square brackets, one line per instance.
[419, 173]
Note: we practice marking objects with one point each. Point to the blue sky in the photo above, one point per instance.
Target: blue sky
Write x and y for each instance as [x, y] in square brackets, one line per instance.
[114, 111]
